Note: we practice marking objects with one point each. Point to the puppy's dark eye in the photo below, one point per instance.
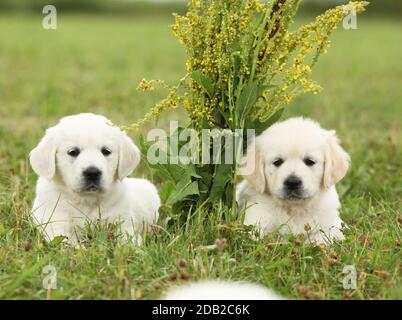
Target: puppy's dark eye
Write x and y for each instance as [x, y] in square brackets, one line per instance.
[309, 162]
[105, 151]
[74, 152]
[277, 162]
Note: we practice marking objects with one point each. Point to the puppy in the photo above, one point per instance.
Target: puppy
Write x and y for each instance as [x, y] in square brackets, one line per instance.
[292, 187]
[83, 163]
[221, 290]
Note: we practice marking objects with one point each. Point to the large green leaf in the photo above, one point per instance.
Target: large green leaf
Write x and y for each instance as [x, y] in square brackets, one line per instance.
[57, 240]
[185, 187]
[204, 123]
[235, 46]
[206, 172]
[220, 117]
[177, 171]
[221, 177]
[168, 171]
[165, 190]
[204, 82]
[263, 124]
[264, 88]
[247, 99]
[259, 126]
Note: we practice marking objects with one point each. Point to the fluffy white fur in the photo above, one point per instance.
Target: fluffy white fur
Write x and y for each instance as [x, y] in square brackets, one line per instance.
[270, 205]
[65, 200]
[221, 290]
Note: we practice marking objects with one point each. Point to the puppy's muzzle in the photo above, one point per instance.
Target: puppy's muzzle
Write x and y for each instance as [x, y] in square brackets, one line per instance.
[293, 187]
[292, 183]
[92, 177]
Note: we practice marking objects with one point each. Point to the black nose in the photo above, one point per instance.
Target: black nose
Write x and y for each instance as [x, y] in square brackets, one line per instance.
[292, 183]
[92, 173]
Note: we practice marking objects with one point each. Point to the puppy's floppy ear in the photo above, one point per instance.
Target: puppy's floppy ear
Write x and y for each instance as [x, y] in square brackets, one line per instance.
[252, 168]
[129, 156]
[43, 156]
[336, 161]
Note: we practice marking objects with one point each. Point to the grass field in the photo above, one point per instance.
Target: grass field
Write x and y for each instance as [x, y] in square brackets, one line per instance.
[93, 63]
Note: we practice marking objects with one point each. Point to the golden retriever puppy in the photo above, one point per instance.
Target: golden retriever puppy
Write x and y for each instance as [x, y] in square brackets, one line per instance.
[83, 163]
[292, 187]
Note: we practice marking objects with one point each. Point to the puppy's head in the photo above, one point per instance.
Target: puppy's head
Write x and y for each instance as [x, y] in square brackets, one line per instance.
[295, 160]
[86, 153]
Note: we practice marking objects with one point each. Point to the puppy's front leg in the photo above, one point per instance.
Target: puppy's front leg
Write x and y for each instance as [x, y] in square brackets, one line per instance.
[53, 229]
[55, 223]
[131, 232]
[326, 236]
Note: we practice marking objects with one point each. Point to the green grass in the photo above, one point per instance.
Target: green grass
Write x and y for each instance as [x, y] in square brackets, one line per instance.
[93, 63]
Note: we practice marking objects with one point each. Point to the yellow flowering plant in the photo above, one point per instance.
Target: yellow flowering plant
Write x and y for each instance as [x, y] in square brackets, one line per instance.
[244, 67]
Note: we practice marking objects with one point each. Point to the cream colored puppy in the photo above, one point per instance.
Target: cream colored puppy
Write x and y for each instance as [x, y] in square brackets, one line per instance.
[292, 186]
[83, 163]
[221, 290]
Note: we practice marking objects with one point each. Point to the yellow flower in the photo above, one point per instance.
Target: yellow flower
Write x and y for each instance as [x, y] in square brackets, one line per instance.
[233, 43]
[145, 85]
